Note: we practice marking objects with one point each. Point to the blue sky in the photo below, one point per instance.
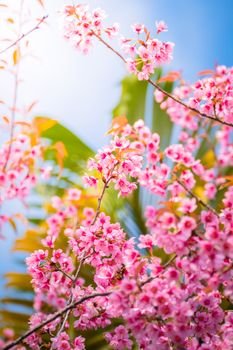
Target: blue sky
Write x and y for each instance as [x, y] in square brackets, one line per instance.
[81, 90]
[202, 31]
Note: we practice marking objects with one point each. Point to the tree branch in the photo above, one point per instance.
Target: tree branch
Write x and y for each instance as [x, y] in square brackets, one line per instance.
[167, 264]
[71, 306]
[71, 298]
[16, 77]
[199, 200]
[54, 317]
[102, 194]
[24, 35]
[174, 98]
[57, 268]
[15, 93]
[109, 46]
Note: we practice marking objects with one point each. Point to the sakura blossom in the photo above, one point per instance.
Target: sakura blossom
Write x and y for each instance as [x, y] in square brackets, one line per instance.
[141, 287]
[170, 286]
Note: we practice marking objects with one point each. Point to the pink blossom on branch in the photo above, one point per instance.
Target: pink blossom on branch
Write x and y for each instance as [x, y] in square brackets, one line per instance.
[161, 27]
[142, 56]
[159, 304]
[167, 286]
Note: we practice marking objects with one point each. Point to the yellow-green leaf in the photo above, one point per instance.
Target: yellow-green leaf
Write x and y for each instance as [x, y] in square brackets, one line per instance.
[199, 191]
[10, 20]
[42, 124]
[16, 56]
[61, 153]
[13, 224]
[20, 281]
[209, 158]
[29, 242]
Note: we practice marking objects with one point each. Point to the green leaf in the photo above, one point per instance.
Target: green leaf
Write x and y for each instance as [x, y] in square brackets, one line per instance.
[19, 281]
[41, 124]
[78, 151]
[133, 99]
[29, 242]
[161, 122]
[134, 212]
[204, 146]
[17, 301]
[16, 320]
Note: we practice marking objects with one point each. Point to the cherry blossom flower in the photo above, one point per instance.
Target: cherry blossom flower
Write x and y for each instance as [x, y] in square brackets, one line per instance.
[161, 27]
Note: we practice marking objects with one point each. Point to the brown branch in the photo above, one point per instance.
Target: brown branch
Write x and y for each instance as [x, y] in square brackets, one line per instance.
[54, 317]
[109, 46]
[174, 98]
[71, 306]
[24, 35]
[15, 93]
[57, 268]
[102, 194]
[71, 298]
[196, 111]
[167, 264]
[12, 127]
[16, 77]
[199, 200]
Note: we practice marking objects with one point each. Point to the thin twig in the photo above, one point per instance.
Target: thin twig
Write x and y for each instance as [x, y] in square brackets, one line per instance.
[64, 273]
[71, 298]
[109, 46]
[54, 317]
[16, 78]
[15, 94]
[102, 194]
[24, 35]
[12, 127]
[199, 200]
[167, 264]
[174, 98]
[196, 111]
[71, 306]
[100, 201]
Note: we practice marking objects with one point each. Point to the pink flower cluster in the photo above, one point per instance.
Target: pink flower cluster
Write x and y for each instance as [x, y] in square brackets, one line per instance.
[18, 159]
[17, 180]
[81, 25]
[142, 56]
[171, 287]
[212, 96]
[117, 163]
[146, 55]
[178, 303]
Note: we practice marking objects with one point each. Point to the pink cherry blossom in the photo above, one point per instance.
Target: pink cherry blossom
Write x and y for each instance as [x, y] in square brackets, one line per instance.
[163, 285]
[161, 27]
